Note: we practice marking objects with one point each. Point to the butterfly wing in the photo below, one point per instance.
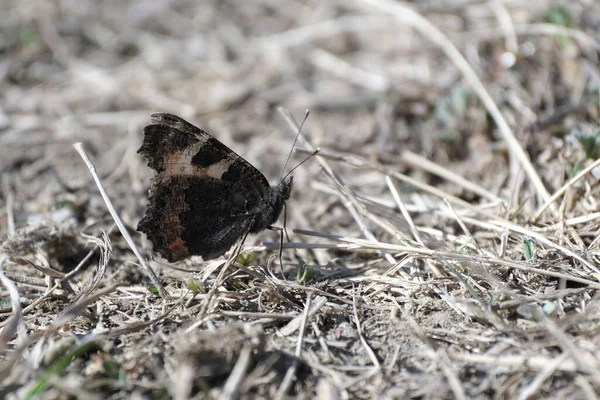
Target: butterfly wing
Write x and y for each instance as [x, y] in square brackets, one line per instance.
[204, 197]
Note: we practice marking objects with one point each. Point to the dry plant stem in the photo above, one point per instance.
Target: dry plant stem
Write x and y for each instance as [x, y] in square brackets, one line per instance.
[75, 309]
[553, 29]
[495, 220]
[370, 352]
[531, 389]
[362, 244]
[403, 210]
[358, 24]
[414, 161]
[528, 362]
[325, 29]
[563, 189]
[585, 361]
[372, 371]
[296, 323]
[291, 372]
[258, 315]
[219, 279]
[15, 322]
[360, 162]
[365, 230]
[411, 224]
[463, 227]
[500, 224]
[587, 389]
[10, 214]
[408, 16]
[149, 271]
[506, 23]
[418, 161]
[57, 284]
[349, 200]
[345, 70]
[234, 381]
[573, 221]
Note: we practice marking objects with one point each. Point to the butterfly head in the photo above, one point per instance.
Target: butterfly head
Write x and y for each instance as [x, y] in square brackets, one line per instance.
[284, 188]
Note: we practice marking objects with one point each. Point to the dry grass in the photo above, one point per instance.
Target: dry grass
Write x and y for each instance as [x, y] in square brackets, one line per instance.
[445, 242]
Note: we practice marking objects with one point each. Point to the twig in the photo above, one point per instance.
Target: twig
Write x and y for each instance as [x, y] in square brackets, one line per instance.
[343, 69]
[585, 361]
[233, 383]
[564, 188]
[529, 390]
[15, 322]
[296, 323]
[10, 210]
[149, 271]
[410, 222]
[528, 362]
[59, 283]
[291, 372]
[363, 341]
[418, 161]
[348, 198]
[365, 244]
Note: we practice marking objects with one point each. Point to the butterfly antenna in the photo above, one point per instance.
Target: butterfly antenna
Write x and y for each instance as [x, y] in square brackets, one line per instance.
[294, 145]
[314, 153]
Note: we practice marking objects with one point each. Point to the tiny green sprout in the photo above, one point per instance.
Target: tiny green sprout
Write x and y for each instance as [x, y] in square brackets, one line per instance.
[27, 35]
[531, 312]
[57, 368]
[160, 394]
[5, 303]
[590, 141]
[111, 368]
[452, 106]
[448, 137]
[494, 299]
[559, 15]
[550, 308]
[460, 99]
[194, 286]
[528, 248]
[573, 170]
[516, 213]
[64, 204]
[247, 259]
[305, 274]
[152, 289]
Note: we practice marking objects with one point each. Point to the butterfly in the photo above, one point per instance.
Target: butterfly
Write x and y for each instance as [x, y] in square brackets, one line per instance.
[204, 197]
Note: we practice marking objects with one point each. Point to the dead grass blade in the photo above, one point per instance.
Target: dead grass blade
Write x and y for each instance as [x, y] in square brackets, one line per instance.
[149, 271]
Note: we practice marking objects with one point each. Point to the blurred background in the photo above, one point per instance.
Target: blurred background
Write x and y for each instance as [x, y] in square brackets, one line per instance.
[376, 86]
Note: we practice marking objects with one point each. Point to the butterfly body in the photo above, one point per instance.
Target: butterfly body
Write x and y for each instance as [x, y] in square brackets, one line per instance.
[204, 197]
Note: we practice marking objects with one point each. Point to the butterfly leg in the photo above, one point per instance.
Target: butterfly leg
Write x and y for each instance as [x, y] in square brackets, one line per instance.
[280, 230]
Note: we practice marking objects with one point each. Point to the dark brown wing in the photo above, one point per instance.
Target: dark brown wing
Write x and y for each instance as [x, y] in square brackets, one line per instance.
[204, 197]
[174, 145]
